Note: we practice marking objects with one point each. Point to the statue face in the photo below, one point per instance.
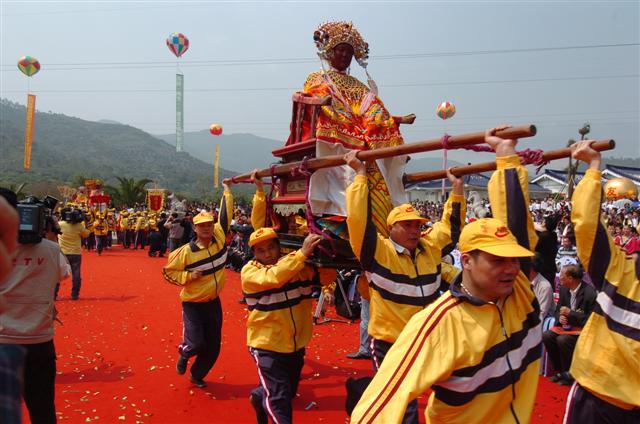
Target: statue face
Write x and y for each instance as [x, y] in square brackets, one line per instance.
[341, 56]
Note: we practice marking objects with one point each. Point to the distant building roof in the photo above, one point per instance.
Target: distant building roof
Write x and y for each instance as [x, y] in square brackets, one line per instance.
[557, 175]
[471, 181]
[625, 171]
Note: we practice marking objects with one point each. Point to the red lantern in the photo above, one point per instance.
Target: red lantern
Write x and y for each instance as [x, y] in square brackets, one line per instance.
[215, 129]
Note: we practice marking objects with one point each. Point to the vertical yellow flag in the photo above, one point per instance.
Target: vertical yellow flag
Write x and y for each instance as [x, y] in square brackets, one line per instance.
[215, 166]
[28, 132]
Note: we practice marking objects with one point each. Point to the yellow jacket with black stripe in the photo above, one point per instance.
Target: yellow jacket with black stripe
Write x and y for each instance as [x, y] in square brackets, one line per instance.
[141, 223]
[279, 302]
[606, 360]
[100, 227]
[210, 260]
[399, 285]
[278, 296]
[480, 359]
[123, 220]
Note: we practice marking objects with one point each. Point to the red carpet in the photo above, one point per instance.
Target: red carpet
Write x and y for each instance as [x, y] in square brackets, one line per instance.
[117, 352]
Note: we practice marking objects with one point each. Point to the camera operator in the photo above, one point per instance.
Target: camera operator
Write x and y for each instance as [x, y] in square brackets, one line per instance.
[27, 307]
[8, 236]
[73, 231]
[176, 231]
[11, 356]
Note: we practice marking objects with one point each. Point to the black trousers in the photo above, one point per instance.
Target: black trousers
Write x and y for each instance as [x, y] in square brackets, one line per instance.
[76, 282]
[141, 239]
[585, 408]
[202, 335]
[90, 241]
[560, 348]
[129, 238]
[11, 382]
[379, 349]
[101, 243]
[279, 375]
[39, 382]
[155, 243]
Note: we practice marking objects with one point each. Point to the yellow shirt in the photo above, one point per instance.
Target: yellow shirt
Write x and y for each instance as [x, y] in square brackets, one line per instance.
[71, 238]
[480, 359]
[399, 285]
[606, 361]
[279, 302]
[210, 260]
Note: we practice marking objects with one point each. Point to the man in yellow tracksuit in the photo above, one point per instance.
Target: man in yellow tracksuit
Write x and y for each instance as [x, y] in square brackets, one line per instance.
[123, 225]
[478, 345]
[404, 270]
[141, 230]
[199, 268]
[606, 360]
[100, 230]
[278, 295]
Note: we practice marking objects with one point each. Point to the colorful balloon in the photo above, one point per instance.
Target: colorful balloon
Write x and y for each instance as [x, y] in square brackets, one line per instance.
[215, 129]
[446, 110]
[178, 44]
[28, 65]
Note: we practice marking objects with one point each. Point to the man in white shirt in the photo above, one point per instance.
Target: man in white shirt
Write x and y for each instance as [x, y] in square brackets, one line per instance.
[27, 310]
[542, 288]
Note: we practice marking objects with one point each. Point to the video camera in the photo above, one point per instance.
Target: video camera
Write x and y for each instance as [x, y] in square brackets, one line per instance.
[72, 215]
[36, 218]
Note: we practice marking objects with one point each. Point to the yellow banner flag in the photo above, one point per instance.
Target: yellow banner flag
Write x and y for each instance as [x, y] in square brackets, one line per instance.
[28, 132]
[215, 166]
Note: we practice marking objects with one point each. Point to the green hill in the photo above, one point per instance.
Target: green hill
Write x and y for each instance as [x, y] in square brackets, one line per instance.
[65, 147]
[238, 152]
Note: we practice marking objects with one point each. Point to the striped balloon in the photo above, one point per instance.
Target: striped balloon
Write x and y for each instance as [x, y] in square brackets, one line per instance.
[178, 44]
[446, 110]
[28, 65]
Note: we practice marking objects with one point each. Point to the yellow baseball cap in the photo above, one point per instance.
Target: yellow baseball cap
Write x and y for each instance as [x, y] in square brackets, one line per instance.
[263, 234]
[405, 212]
[492, 236]
[202, 217]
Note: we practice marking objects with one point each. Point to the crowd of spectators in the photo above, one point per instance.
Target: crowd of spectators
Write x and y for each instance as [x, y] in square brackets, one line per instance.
[554, 215]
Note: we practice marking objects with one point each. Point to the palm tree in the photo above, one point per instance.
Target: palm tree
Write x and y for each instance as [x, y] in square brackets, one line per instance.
[17, 189]
[78, 180]
[129, 191]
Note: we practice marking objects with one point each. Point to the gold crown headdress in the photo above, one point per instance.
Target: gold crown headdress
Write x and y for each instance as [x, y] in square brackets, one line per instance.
[330, 34]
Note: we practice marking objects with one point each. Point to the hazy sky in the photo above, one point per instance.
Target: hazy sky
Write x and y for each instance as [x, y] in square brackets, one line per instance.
[555, 64]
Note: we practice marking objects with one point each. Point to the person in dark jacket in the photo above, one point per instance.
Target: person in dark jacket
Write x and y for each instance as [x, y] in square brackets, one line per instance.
[577, 300]
[548, 247]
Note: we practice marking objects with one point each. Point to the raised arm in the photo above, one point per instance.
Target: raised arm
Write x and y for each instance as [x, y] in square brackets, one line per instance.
[226, 210]
[509, 192]
[446, 232]
[596, 248]
[363, 236]
[259, 206]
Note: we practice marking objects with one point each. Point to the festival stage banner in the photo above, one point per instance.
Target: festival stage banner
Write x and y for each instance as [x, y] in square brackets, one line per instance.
[179, 112]
[216, 166]
[28, 132]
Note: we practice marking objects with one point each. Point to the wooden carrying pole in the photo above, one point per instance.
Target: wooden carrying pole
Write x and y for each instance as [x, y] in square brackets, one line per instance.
[459, 171]
[454, 142]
